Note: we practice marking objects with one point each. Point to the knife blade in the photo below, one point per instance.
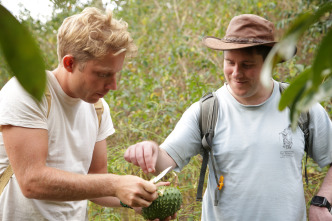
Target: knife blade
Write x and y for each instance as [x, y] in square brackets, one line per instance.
[161, 175]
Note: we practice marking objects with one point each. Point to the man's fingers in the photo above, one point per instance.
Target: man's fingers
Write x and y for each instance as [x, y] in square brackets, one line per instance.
[149, 157]
[138, 195]
[130, 152]
[149, 187]
[145, 198]
[141, 157]
[163, 184]
[141, 202]
[144, 155]
[138, 210]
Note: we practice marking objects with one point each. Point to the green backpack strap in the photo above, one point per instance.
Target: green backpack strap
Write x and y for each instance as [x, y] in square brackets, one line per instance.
[48, 98]
[208, 117]
[99, 107]
[303, 123]
[5, 176]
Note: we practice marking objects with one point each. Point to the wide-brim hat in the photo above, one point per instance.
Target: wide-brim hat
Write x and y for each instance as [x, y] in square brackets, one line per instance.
[244, 31]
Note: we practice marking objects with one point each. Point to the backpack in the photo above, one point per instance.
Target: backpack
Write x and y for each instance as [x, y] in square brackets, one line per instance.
[208, 116]
[7, 174]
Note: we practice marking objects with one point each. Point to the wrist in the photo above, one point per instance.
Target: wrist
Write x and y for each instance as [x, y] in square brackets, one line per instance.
[320, 201]
[125, 205]
[114, 182]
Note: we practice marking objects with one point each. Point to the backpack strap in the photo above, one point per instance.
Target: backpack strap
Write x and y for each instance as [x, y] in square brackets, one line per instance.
[48, 98]
[303, 123]
[99, 107]
[208, 117]
[4, 177]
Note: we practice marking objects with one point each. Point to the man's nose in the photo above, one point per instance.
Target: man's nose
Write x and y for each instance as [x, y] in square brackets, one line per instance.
[237, 71]
[111, 84]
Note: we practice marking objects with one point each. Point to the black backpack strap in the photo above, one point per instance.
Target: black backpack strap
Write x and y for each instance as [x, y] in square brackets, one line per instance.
[208, 118]
[303, 123]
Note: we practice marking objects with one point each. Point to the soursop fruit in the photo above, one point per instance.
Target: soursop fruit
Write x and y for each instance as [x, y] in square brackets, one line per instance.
[168, 203]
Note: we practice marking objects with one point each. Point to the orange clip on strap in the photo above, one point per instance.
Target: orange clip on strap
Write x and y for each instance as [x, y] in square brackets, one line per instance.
[221, 182]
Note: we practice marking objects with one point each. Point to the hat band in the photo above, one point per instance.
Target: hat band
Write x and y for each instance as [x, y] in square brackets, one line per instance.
[244, 40]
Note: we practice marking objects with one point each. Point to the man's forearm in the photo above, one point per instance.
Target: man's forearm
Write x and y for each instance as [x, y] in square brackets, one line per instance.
[163, 161]
[53, 184]
[325, 189]
[322, 213]
[107, 201]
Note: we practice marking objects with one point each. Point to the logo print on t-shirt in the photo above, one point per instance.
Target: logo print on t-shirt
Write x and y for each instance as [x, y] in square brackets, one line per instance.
[286, 135]
[287, 142]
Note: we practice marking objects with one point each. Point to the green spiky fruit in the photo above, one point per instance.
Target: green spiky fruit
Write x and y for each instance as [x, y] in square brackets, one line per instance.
[168, 203]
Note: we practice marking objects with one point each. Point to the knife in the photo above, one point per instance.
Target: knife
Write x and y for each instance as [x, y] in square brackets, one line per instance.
[161, 175]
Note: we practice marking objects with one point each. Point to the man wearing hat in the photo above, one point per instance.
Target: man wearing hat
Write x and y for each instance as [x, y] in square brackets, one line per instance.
[255, 150]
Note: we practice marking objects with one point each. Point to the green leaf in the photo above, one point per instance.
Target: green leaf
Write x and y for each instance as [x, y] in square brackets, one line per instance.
[285, 48]
[306, 97]
[22, 54]
[305, 20]
[295, 90]
[299, 25]
[323, 93]
[270, 62]
[322, 63]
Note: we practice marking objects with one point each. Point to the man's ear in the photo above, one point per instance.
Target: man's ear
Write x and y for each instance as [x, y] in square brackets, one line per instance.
[68, 63]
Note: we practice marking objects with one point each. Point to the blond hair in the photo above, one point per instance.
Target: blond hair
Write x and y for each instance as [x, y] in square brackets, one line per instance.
[92, 35]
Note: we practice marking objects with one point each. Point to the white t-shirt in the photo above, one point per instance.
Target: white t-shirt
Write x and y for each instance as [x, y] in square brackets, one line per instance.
[259, 156]
[73, 130]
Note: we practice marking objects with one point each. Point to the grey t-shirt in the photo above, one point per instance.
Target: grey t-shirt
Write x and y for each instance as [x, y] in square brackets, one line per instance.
[258, 154]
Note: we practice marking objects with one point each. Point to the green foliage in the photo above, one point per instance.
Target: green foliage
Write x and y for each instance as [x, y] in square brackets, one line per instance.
[22, 54]
[314, 84]
[173, 70]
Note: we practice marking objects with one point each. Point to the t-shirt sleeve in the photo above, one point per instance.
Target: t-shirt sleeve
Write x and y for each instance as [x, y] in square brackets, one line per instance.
[184, 141]
[19, 108]
[106, 126]
[320, 127]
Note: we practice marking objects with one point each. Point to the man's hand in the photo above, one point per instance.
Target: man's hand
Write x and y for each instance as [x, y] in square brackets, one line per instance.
[135, 191]
[319, 214]
[139, 209]
[144, 155]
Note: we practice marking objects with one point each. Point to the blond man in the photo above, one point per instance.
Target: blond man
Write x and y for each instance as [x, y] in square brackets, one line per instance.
[57, 149]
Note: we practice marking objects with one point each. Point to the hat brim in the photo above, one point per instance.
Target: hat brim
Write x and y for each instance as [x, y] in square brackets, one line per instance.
[218, 44]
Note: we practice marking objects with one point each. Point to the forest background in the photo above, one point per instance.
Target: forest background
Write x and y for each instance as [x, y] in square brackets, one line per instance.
[171, 71]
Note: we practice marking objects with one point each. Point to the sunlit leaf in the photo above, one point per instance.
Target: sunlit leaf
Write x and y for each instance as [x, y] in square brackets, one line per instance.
[294, 111]
[308, 97]
[269, 63]
[282, 51]
[323, 93]
[22, 54]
